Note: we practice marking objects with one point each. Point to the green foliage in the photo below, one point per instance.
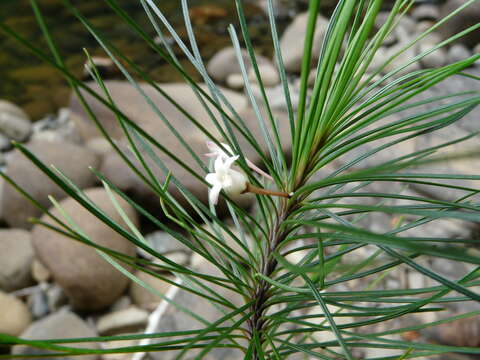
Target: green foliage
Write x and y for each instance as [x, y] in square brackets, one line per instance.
[336, 118]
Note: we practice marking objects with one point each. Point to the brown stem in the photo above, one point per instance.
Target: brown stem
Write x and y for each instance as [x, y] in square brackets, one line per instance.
[256, 190]
[269, 263]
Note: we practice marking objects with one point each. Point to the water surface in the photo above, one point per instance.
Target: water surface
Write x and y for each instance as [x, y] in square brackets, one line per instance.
[40, 89]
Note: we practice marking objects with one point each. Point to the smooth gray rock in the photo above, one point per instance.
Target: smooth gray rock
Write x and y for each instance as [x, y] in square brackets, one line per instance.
[133, 105]
[59, 128]
[426, 12]
[14, 122]
[458, 52]
[292, 41]
[71, 159]
[5, 143]
[16, 256]
[176, 320]
[165, 243]
[61, 325]
[225, 63]
[38, 304]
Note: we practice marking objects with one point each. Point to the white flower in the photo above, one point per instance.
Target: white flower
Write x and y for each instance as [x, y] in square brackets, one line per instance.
[216, 151]
[231, 181]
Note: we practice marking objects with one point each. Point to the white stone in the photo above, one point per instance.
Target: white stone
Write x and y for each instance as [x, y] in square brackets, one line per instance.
[121, 321]
[235, 81]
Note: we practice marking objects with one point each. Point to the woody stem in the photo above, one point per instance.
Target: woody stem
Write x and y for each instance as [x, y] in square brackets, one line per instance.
[256, 190]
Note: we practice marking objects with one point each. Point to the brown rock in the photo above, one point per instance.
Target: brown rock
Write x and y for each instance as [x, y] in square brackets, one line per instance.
[143, 297]
[134, 106]
[463, 332]
[467, 17]
[71, 159]
[89, 281]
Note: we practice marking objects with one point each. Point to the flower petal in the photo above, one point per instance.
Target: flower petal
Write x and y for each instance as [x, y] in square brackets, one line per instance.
[219, 166]
[212, 146]
[229, 161]
[213, 193]
[211, 178]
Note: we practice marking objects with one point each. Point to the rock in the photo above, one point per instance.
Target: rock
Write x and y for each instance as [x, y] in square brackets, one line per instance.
[38, 304]
[56, 298]
[133, 105]
[39, 272]
[322, 336]
[89, 281]
[179, 258]
[128, 320]
[118, 344]
[60, 128]
[122, 303]
[292, 41]
[99, 145]
[61, 325]
[462, 332]
[16, 256]
[276, 98]
[426, 12]
[14, 122]
[476, 50]
[281, 117]
[398, 62]
[104, 65]
[406, 25]
[268, 74]
[468, 17]
[436, 58]
[423, 26]
[225, 63]
[71, 159]
[465, 166]
[175, 320]
[458, 52]
[203, 14]
[165, 243]
[5, 143]
[449, 269]
[235, 81]
[14, 315]
[454, 84]
[145, 298]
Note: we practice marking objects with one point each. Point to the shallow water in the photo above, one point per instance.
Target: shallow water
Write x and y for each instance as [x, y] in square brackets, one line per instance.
[40, 89]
